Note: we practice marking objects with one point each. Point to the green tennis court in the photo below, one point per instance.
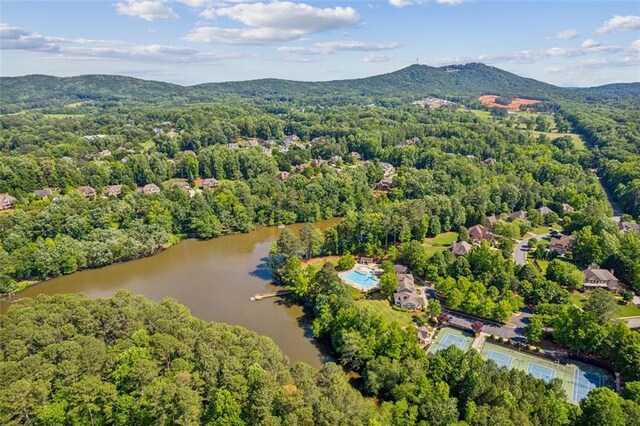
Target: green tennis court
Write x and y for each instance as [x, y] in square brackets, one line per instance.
[577, 378]
[451, 337]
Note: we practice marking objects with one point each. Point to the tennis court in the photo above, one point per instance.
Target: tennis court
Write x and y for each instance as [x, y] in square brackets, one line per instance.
[451, 337]
[501, 360]
[577, 378]
[584, 381]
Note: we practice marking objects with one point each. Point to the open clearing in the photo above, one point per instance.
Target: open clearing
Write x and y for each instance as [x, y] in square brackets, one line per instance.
[490, 100]
[383, 308]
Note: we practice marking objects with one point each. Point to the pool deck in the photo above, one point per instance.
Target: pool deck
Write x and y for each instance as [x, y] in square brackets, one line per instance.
[362, 269]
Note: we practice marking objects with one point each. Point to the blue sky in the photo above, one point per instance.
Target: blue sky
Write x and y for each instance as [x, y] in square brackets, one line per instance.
[569, 43]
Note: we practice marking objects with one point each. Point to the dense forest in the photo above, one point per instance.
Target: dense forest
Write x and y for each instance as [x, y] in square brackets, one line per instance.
[102, 169]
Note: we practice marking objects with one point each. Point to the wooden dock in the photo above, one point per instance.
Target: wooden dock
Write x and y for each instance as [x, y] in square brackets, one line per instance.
[278, 293]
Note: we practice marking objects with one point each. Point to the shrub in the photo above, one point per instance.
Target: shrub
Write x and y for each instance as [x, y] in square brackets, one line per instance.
[346, 262]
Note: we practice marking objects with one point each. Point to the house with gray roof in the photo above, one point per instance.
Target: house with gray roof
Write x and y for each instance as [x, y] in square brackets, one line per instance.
[406, 296]
[596, 277]
[6, 201]
[460, 248]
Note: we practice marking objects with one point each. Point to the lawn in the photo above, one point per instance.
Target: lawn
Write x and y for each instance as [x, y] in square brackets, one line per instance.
[444, 239]
[542, 264]
[321, 260]
[382, 307]
[481, 113]
[540, 230]
[431, 250]
[147, 145]
[628, 310]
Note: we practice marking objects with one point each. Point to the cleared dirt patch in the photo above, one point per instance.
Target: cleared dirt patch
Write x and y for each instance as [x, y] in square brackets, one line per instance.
[490, 100]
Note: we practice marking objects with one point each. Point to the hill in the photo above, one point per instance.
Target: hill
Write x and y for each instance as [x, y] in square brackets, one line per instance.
[468, 81]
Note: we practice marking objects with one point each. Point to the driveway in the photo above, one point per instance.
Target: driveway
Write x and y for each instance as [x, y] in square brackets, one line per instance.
[520, 252]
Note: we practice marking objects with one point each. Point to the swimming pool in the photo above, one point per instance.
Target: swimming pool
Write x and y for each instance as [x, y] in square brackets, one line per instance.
[361, 280]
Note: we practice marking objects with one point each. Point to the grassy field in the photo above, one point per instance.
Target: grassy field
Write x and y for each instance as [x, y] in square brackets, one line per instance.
[439, 243]
[578, 143]
[147, 145]
[382, 307]
[319, 261]
[541, 264]
[481, 113]
[628, 310]
[444, 239]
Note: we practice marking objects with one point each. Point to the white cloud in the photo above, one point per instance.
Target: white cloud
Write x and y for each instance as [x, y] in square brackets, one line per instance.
[564, 35]
[635, 46]
[328, 47]
[378, 58]
[149, 10]
[272, 22]
[562, 51]
[589, 43]
[14, 38]
[452, 2]
[196, 4]
[620, 23]
[405, 3]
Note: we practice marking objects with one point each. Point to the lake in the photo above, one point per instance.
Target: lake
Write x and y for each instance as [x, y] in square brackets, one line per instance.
[213, 278]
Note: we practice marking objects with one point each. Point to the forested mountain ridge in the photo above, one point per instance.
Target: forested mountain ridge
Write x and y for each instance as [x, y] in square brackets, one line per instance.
[470, 81]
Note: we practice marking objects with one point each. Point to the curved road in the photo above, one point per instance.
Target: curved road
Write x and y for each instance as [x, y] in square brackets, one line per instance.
[520, 252]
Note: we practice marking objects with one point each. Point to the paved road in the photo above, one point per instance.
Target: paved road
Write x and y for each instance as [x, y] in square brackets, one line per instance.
[617, 211]
[520, 252]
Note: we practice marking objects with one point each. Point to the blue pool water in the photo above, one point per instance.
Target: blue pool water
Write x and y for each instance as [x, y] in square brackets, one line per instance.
[367, 280]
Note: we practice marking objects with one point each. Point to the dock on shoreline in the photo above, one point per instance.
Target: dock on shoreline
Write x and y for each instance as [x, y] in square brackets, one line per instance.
[261, 296]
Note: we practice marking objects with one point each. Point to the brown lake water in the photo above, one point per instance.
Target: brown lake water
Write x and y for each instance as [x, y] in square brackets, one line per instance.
[213, 278]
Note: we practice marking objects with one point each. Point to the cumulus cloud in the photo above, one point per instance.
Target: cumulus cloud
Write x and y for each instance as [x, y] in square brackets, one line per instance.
[620, 23]
[272, 22]
[15, 38]
[328, 47]
[378, 58]
[635, 46]
[564, 35]
[589, 43]
[149, 10]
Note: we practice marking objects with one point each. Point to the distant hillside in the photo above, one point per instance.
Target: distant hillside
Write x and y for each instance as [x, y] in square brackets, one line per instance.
[470, 80]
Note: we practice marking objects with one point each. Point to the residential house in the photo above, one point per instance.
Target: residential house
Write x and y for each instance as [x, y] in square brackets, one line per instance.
[460, 248]
[400, 269]
[628, 226]
[233, 146]
[566, 208]
[42, 193]
[284, 176]
[387, 168]
[300, 167]
[157, 131]
[489, 161]
[424, 335]
[87, 191]
[251, 143]
[316, 162]
[210, 183]
[491, 220]
[94, 137]
[385, 184]
[180, 185]
[335, 159]
[150, 188]
[601, 278]
[520, 214]
[113, 191]
[544, 210]
[478, 233]
[561, 245]
[104, 154]
[167, 123]
[356, 155]
[407, 296]
[6, 201]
